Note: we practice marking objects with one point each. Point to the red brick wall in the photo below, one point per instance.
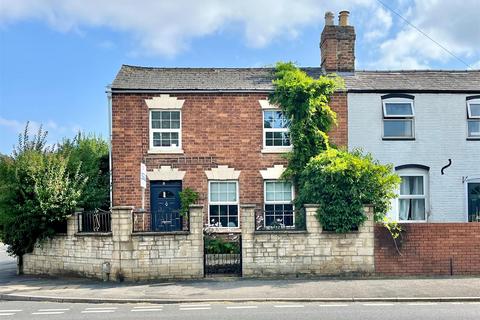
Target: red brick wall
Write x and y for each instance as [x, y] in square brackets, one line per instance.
[429, 249]
[217, 129]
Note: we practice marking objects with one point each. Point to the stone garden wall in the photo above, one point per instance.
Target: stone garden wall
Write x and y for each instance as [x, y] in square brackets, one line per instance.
[122, 254]
[310, 252]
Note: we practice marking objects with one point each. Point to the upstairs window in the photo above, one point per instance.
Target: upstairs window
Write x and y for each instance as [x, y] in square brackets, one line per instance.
[165, 129]
[473, 118]
[398, 118]
[275, 129]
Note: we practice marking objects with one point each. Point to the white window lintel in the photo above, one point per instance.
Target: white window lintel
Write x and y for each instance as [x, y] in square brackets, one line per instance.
[265, 104]
[273, 173]
[165, 173]
[222, 173]
[165, 101]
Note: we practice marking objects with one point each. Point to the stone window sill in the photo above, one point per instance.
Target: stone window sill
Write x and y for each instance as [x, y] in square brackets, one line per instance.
[165, 151]
[276, 150]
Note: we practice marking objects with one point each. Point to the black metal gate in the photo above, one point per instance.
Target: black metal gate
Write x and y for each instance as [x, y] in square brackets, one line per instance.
[222, 259]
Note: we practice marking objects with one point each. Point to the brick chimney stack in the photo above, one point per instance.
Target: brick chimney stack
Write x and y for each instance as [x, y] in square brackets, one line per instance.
[337, 44]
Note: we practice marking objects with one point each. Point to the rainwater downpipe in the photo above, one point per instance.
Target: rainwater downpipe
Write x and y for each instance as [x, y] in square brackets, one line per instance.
[109, 102]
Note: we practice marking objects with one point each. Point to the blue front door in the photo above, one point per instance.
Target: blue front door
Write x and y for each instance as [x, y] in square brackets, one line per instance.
[165, 205]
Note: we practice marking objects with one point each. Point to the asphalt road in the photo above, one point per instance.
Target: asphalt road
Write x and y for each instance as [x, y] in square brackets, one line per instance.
[218, 311]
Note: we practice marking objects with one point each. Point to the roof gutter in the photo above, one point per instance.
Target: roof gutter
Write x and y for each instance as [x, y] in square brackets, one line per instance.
[412, 91]
[271, 90]
[112, 90]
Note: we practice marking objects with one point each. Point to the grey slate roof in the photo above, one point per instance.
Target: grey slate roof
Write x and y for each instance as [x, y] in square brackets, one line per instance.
[260, 79]
[415, 80]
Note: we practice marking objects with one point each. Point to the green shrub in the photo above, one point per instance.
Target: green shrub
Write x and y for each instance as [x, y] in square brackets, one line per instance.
[342, 183]
[214, 245]
[188, 196]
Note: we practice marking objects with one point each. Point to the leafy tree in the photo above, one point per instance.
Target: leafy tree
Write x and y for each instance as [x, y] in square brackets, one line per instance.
[341, 182]
[90, 153]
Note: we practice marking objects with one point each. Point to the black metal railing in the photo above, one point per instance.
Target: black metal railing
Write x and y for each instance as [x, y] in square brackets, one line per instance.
[223, 263]
[97, 221]
[280, 220]
[161, 221]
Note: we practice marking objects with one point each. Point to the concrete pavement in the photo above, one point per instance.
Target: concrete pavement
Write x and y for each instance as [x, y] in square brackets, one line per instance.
[406, 289]
[27, 288]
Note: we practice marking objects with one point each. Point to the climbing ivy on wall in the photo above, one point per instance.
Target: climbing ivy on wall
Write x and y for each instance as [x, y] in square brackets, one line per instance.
[304, 101]
[341, 182]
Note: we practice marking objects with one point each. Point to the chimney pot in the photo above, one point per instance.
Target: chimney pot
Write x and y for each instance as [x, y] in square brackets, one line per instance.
[329, 18]
[343, 18]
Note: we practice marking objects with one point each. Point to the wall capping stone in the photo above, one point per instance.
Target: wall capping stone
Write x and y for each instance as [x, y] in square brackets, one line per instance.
[222, 173]
[93, 234]
[122, 208]
[165, 101]
[165, 173]
[160, 234]
[248, 205]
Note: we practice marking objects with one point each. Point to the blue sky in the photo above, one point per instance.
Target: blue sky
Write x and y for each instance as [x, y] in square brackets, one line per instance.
[56, 57]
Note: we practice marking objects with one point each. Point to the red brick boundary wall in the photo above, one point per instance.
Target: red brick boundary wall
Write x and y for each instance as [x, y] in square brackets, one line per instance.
[429, 249]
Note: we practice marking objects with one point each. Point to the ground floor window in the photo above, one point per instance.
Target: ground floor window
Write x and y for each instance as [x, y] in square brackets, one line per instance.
[279, 211]
[473, 201]
[412, 201]
[223, 204]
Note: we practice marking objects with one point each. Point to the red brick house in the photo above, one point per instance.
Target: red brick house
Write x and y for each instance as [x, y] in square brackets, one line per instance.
[213, 130]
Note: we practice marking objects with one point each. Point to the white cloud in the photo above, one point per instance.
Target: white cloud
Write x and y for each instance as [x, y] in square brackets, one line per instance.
[166, 27]
[451, 23]
[379, 26]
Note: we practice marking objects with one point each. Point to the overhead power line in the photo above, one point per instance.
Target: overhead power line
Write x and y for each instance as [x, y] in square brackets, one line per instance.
[425, 34]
